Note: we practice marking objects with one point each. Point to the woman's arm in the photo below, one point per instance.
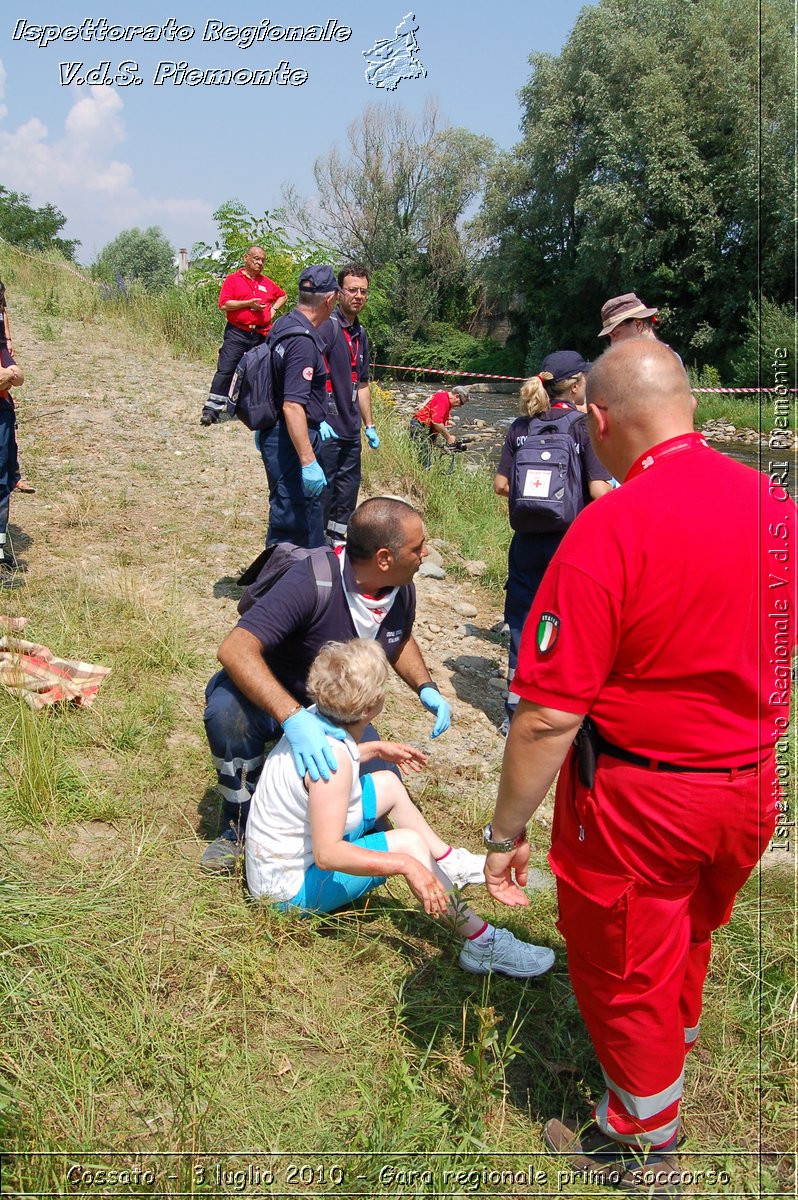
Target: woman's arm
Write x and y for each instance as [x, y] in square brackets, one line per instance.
[328, 802]
[406, 758]
[11, 377]
[501, 485]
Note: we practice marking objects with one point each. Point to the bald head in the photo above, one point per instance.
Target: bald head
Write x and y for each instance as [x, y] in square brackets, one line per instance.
[642, 397]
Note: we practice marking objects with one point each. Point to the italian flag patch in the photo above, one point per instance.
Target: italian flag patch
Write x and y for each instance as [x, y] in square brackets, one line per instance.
[548, 632]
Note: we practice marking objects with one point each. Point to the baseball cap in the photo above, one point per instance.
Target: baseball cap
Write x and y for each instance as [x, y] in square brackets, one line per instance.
[318, 279]
[563, 364]
[622, 308]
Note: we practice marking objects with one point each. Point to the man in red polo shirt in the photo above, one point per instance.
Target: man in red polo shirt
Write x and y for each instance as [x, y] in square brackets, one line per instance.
[251, 301]
[432, 420]
[668, 617]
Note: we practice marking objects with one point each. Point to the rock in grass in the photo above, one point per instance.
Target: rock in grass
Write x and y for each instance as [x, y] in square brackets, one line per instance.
[432, 571]
[464, 608]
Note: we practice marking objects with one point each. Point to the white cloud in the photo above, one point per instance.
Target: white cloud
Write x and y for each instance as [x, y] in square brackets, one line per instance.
[79, 173]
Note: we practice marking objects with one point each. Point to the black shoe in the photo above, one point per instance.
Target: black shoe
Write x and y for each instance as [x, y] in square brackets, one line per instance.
[10, 571]
[209, 418]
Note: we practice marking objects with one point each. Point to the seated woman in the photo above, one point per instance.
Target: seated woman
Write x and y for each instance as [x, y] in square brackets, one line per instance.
[313, 845]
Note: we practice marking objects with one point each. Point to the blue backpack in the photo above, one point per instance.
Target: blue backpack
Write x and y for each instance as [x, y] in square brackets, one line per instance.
[546, 489]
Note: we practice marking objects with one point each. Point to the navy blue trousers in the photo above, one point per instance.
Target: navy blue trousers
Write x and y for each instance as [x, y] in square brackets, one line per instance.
[9, 466]
[293, 517]
[527, 560]
[340, 460]
[233, 348]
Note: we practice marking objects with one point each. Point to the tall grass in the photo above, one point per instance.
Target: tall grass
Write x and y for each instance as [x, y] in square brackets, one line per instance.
[185, 322]
[456, 497]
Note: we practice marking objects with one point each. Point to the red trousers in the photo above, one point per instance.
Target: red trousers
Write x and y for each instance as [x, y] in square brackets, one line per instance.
[648, 864]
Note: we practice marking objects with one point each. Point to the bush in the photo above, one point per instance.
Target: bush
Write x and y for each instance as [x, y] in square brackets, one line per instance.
[136, 256]
[451, 349]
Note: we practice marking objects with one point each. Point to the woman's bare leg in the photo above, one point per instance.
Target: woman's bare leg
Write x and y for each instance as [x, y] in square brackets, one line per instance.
[409, 841]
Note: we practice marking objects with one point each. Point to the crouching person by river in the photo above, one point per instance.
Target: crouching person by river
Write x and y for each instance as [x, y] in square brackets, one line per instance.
[314, 845]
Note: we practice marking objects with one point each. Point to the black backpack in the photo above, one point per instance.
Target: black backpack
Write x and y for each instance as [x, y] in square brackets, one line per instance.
[273, 562]
[253, 396]
[546, 489]
[252, 392]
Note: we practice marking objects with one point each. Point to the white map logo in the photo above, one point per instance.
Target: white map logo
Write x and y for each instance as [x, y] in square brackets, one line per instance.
[390, 60]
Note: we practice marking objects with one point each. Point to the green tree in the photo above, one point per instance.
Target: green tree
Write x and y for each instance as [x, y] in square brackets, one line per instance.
[238, 229]
[394, 200]
[138, 256]
[33, 228]
[639, 169]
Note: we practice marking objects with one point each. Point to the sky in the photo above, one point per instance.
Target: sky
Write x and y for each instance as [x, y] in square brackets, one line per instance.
[112, 155]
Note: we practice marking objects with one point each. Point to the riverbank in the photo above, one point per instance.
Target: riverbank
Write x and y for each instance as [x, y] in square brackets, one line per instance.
[150, 1010]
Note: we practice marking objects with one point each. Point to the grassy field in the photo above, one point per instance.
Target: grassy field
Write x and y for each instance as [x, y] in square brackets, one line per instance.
[161, 1034]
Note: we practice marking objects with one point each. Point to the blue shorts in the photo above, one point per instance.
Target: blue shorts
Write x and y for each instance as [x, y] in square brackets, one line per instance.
[325, 891]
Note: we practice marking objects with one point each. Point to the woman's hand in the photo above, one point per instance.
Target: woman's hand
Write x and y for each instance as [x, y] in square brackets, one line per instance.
[427, 888]
[406, 758]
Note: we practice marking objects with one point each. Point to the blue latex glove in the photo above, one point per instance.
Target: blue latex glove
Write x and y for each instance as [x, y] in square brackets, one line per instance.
[435, 703]
[313, 754]
[313, 480]
[326, 432]
[372, 437]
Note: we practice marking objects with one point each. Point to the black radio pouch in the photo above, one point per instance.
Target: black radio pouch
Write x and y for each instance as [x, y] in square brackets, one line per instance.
[586, 744]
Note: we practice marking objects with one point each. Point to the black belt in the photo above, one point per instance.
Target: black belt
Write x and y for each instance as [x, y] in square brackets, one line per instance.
[652, 764]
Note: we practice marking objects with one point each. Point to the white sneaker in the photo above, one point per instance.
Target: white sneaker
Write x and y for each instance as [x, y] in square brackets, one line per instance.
[463, 867]
[507, 955]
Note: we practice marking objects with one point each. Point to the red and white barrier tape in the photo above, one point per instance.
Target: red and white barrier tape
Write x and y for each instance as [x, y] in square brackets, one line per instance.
[521, 378]
[457, 374]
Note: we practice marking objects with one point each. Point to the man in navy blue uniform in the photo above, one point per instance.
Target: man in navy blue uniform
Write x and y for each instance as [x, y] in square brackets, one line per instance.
[348, 357]
[267, 656]
[296, 478]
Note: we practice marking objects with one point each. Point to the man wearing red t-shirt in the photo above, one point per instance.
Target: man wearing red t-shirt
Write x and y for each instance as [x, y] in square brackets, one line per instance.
[668, 617]
[432, 420]
[251, 301]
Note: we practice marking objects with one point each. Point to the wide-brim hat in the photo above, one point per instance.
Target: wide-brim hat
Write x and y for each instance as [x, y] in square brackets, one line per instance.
[623, 308]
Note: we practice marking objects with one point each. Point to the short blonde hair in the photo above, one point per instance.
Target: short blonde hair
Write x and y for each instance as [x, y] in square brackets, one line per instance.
[348, 680]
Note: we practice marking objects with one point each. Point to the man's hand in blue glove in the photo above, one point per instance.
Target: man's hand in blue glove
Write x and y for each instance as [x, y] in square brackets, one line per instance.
[326, 432]
[372, 437]
[313, 480]
[313, 754]
[435, 703]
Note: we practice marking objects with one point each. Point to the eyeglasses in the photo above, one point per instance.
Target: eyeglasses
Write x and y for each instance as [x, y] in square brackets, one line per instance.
[350, 291]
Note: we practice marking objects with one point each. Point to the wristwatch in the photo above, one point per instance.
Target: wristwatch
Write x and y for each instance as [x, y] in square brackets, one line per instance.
[502, 847]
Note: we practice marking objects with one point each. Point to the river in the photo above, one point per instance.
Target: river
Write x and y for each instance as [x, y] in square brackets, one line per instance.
[498, 409]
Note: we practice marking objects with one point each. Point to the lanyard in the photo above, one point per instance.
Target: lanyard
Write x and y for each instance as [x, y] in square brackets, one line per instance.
[354, 348]
[678, 445]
